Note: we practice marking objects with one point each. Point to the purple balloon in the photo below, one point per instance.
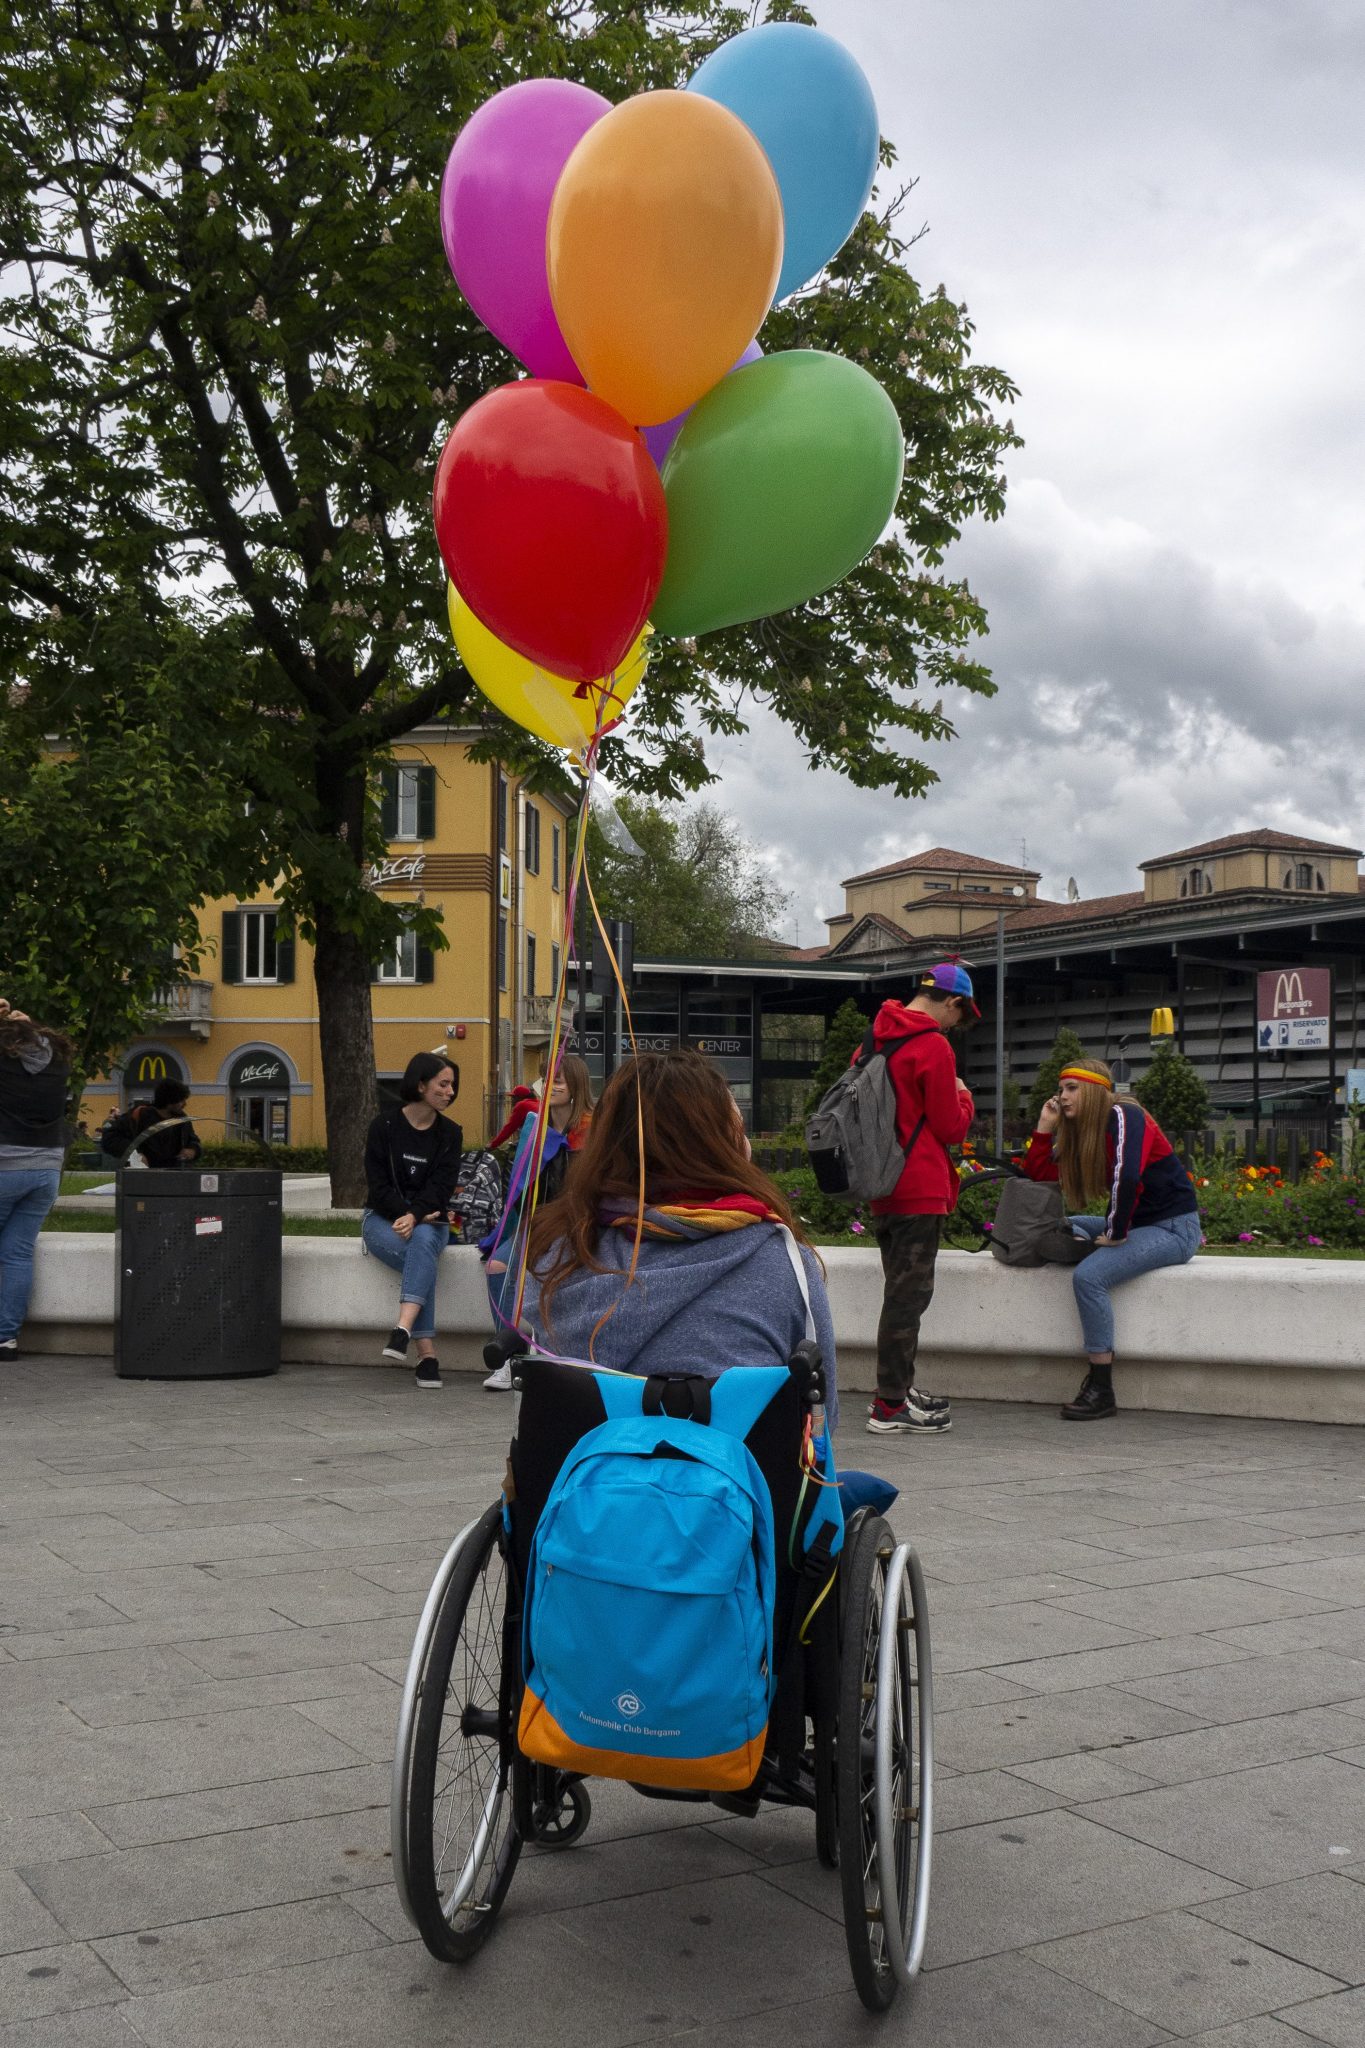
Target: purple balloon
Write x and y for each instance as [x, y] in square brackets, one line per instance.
[660, 439]
[495, 202]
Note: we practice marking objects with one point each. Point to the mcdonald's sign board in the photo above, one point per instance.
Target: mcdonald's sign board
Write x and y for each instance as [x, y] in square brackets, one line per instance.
[150, 1067]
[1294, 1009]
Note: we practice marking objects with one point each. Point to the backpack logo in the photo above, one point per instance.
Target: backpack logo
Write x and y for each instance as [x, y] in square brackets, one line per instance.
[627, 1703]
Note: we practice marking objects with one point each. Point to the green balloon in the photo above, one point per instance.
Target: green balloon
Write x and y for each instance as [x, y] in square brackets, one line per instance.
[781, 480]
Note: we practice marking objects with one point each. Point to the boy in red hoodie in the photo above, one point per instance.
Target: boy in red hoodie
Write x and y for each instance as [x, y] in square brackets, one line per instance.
[934, 1110]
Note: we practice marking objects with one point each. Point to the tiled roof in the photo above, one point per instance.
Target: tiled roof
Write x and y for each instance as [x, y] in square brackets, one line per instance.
[941, 858]
[1257, 841]
[1036, 914]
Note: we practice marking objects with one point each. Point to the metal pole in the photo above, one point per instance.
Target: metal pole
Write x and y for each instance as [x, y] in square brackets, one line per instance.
[999, 1031]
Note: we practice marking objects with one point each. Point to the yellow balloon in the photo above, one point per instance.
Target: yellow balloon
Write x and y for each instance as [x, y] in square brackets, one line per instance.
[532, 697]
[664, 247]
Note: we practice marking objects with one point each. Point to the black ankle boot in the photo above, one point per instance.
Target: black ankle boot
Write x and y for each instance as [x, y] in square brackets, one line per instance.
[1095, 1399]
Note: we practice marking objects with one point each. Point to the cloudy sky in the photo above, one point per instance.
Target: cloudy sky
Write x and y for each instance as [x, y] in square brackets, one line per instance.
[1155, 212]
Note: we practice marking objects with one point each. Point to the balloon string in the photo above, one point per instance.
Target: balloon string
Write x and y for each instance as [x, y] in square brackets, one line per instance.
[534, 1154]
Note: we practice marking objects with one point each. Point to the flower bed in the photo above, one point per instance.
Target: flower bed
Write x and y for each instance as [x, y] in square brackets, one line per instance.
[1246, 1206]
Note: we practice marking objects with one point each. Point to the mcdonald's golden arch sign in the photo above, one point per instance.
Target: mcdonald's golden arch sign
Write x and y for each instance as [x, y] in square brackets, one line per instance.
[1294, 1009]
[151, 1066]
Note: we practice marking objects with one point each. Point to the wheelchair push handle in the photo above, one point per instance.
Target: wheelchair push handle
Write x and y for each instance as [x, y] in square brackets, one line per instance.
[808, 1370]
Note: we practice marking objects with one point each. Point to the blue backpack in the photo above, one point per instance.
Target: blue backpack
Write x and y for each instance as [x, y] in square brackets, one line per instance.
[648, 1626]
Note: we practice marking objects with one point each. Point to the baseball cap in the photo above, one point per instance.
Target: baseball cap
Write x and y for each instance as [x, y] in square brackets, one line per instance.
[953, 980]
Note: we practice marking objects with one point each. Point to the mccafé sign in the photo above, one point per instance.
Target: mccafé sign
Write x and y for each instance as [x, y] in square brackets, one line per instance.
[397, 874]
[260, 1070]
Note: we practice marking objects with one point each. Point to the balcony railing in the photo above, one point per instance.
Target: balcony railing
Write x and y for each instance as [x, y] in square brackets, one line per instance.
[537, 1018]
[185, 1006]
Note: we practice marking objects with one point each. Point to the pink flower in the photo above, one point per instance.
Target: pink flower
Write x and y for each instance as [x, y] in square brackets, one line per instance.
[857, 1229]
[1245, 1237]
[1315, 1240]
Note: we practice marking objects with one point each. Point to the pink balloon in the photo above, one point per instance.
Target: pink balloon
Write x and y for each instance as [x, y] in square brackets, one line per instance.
[495, 201]
[660, 439]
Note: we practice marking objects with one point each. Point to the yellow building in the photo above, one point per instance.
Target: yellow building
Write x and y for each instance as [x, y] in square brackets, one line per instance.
[463, 837]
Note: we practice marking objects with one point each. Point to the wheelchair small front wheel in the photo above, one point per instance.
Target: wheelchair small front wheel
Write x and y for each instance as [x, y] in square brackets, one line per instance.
[462, 1839]
[561, 1818]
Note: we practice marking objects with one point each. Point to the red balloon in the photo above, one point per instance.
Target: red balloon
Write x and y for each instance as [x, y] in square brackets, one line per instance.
[552, 522]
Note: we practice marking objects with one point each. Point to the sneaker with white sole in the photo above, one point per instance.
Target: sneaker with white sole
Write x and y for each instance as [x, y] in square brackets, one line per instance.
[500, 1382]
[887, 1420]
[396, 1350]
[428, 1373]
[933, 1404]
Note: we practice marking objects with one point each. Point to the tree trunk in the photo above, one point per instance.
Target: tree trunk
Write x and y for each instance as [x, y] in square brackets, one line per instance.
[346, 1032]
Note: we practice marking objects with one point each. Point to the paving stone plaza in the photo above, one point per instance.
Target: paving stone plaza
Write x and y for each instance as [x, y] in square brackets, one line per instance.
[1149, 1641]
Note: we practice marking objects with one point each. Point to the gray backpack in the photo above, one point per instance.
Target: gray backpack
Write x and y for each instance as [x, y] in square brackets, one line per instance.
[851, 1141]
[1031, 1227]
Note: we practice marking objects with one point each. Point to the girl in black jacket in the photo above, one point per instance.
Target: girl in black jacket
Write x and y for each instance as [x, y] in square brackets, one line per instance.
[412, 1157]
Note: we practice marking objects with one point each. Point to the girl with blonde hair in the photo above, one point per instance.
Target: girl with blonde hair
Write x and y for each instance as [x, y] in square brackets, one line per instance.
[1106, 1149]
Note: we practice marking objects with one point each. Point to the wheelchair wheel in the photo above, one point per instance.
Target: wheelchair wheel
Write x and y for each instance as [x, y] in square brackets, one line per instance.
[885, 1762]
[460, 1839]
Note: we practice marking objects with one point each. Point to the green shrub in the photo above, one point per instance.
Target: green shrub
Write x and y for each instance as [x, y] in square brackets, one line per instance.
[1172, 1090]
[291, 1158]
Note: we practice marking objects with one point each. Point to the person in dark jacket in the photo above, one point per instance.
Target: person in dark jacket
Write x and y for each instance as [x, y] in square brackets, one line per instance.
[1101, 1149]
[35, 1075]
[178, 1144]
[933, 1111]
[703, 1276]
[412, 1162]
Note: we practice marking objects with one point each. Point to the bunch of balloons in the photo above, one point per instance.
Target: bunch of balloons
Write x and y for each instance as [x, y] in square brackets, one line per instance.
[655, 465]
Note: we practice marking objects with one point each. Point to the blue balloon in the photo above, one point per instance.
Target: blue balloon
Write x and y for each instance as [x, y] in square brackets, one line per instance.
[811, 107]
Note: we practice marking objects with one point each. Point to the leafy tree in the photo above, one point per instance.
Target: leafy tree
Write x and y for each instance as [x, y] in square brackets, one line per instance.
[106, 845]
[231, 349]
[847, 1029]
[1173, 1091]
[1067, 1051]
[697, 889]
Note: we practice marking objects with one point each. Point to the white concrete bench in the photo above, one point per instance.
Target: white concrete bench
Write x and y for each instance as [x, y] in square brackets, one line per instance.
[1272, 1337]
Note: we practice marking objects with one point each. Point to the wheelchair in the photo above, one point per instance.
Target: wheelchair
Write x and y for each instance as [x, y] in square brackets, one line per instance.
[850, 1735]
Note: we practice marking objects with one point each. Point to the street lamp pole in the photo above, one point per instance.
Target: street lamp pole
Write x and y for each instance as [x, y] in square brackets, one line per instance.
[1001, 914]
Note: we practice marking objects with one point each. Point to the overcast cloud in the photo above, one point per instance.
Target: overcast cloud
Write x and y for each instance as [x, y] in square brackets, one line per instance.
[1155, 212]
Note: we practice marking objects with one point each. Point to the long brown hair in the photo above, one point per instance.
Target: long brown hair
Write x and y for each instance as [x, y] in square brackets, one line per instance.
[574, 1072]
[677, 1109]
[17, 1034]
[1078, 1145]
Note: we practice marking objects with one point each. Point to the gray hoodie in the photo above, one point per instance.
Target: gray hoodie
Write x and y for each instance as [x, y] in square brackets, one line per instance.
[700, 1302]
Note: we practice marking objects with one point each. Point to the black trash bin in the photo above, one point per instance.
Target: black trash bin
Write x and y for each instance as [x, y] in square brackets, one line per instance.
[197, 1258]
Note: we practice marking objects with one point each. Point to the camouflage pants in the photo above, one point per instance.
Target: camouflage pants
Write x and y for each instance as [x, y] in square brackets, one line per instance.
[909, 1246]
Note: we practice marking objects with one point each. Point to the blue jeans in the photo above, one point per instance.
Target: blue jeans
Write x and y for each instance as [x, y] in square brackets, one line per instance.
[1172, 1243]
[25, 1198]
[418, 1260]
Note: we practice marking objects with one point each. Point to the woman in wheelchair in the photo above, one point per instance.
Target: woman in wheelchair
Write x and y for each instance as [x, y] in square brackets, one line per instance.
[671, 1591]
[686, 1269]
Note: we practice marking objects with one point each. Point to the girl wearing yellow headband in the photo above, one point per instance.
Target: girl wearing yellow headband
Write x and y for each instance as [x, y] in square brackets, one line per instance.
[1104, 1150]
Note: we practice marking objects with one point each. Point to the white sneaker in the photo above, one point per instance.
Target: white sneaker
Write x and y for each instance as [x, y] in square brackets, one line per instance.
[500, 1382]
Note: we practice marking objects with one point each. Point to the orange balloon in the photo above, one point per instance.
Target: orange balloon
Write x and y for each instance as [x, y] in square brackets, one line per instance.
[664, 248]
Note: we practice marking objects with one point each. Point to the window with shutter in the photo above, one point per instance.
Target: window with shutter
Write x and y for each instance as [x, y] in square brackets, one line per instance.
[230, 959]
[388, 807]
[530, 987]
[426, 802]
[554, 856]
[532, 840]
[426, 963]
